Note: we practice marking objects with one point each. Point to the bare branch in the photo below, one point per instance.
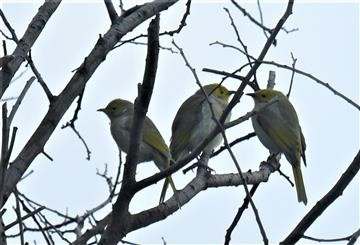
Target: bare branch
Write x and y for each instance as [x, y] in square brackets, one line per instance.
[317, 80]
[19, 219]
[74, 87]
[26, 42]
[292, 74]
[324, 202]
[347, 238]
[28, 215]
[255, 84]
[260, 24]
[261, 17]
[19, 100]
[182, 22]
[111, 10]
[46, 89]
[170, 33]
[238, 215]
[71, 124]
[252, 19]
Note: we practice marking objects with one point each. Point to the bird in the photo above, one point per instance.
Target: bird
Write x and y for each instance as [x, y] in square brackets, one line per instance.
[278, 129]
[194, 121]
[152, 146]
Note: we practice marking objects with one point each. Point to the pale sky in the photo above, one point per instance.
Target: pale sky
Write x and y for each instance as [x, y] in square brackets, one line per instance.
[326, 46]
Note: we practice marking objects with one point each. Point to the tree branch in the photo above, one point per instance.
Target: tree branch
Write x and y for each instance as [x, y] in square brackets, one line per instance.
[111, 10]
[324, 203]
[238, 215]
[74, 87]
[33, 31]
[117, 227]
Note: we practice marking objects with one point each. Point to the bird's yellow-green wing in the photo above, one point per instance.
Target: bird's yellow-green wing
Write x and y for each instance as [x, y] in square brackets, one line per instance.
[152, 137]
[284, 133]
[186, 119]
[303, 146]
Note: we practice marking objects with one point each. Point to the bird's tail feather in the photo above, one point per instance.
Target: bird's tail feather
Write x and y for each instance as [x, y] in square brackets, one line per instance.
[168, 181]
[299, 183]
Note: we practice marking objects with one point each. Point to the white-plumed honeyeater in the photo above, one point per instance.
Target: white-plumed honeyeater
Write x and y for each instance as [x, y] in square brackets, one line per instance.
[277, 127]
[152, 147]
[194, 121]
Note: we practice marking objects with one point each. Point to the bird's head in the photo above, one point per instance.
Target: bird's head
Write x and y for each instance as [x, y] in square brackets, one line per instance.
[117, 108]
[265, 95]
[218, 91]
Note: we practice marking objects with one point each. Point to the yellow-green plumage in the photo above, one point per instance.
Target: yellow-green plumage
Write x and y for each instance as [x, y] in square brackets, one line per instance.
[277, 127]
[152, 146]
[193, 121]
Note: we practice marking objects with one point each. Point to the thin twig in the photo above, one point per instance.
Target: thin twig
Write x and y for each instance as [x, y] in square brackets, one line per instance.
[71, 124]
[26, 209]
[121, 6]
[238, 215]
[238, 140]
[292, 74]
[29, 60]
[347, 238]
[260, 24]
[19, 100]
[19, 219]
[261, 18]
[170, 33]
[325, 84]
[241, 43]
[46, 89]
[182, 22]
[232, 75]
[286, 67]
[251, 18]
[28, 215]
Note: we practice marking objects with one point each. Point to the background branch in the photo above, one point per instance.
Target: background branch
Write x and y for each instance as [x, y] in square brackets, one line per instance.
[324, 203]
[26, 42]
[74, 87]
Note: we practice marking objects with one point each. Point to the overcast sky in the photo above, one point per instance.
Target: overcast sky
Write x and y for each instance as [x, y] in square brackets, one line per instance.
[326, 46]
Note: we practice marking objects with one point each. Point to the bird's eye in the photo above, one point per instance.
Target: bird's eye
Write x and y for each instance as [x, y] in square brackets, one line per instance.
[263, 95]
[113, 108]
[221, 92]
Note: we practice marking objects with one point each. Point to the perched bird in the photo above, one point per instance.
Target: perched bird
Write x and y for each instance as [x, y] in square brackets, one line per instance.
[193, 121]
[277, 127]
[152, 147]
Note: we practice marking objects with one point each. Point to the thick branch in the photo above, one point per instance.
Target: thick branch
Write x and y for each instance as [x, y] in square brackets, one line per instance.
[74, 87]
[325, 202]
[117, 228]
[33, 31]
[193, 188]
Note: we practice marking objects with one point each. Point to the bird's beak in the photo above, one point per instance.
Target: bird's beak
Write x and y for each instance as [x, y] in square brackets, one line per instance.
[251, 94]
[102, 109]
[232, 92]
